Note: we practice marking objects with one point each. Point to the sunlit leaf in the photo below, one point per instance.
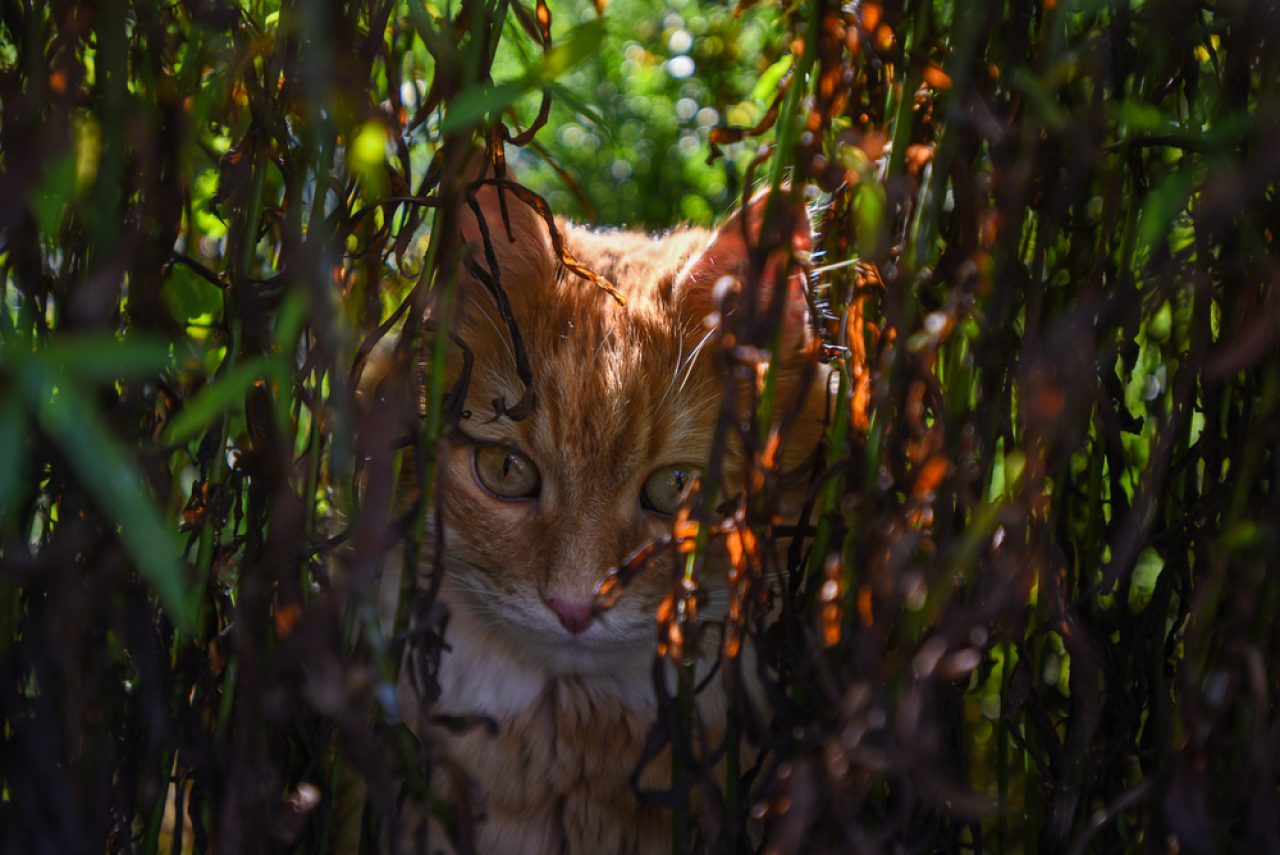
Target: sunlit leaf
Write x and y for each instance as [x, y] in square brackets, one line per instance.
[767, 86]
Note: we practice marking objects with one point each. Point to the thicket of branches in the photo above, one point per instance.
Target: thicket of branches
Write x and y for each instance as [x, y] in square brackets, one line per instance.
[1031, 606]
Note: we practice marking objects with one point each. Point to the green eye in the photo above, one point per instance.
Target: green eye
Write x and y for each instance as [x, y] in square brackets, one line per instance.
[505, 472]
[665, 487]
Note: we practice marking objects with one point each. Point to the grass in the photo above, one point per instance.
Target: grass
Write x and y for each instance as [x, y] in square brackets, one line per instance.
[1032, 607]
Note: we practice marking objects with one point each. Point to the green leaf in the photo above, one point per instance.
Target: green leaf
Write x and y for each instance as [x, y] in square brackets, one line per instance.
[473, 104]
[212, 401]
[767, 86]
[54, 194]
[13, 450]
[1161, 323]
[190, 297]
[102, 358]
[869, 211]
[572, 50]
[426, 20]
[1143, 582]
[1045, 102]
[70, 418]
[1161, 206]
[289, 322]
[1139, 117]
[476, 103]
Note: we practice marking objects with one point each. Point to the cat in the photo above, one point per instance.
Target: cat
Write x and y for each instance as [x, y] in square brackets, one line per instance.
[625, 401]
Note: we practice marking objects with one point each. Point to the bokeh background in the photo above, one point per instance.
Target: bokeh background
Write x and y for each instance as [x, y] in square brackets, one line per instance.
[1031, 606]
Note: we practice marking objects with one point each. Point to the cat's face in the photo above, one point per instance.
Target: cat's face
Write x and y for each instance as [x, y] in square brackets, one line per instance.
[537, 510]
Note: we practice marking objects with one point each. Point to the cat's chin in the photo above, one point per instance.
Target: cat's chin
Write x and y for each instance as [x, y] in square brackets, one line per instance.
[599, 650]
[542, 644]
[577, 660]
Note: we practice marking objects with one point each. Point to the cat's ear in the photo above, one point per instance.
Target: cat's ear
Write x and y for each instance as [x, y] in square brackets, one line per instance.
[717, 279]
[517, 234]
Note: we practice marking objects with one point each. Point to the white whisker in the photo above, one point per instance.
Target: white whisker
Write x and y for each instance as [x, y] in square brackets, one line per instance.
[674, 374]
[693, 358]
[499, 331]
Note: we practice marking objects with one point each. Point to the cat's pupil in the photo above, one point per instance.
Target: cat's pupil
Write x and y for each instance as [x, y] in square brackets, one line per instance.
[506, 472]
[665, 486]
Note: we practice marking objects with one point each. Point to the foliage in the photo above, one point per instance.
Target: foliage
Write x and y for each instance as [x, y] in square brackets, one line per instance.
[1032, 606]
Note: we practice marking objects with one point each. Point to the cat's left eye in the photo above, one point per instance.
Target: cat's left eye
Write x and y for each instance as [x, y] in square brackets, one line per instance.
[505, 472]
[665, 487]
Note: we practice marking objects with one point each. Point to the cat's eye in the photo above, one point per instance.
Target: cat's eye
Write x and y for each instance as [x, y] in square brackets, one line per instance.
[505, 472]
[665, 487]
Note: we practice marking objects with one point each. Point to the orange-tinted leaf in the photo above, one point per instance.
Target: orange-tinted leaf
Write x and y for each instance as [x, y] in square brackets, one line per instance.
[666, 609]
[870, 16]
[918, 156]
[936, 77]
[732, 644]
[287, 615]
[769, 457]
[831, 617]
[675, 638]
[864, 606]
[884, 37]
[684, 528]
[608, 591]
[931, 475]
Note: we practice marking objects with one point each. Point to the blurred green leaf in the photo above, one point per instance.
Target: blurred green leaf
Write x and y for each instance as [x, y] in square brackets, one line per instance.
[871, 218]
[767, 86]
[425, 18]
[55, 193]
[293, 314]
[218, 397]
[103, 358]
[13, 450]
[103, 467]
[1161, 323]
[190, 297]
[1046, 104]
[1136, 116]
[87, 138]
[571, 50]
[560, 92]
[477, 102]
[1143, 582]
[1161, 206]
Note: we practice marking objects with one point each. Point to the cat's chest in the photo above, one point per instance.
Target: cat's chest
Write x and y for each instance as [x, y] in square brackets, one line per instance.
[555, 776]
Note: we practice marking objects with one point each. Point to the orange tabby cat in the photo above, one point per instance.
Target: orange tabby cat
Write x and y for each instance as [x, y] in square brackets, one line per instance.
[538, 509]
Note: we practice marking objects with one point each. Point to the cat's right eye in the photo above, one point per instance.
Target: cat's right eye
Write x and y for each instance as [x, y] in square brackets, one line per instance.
[665, 488]
[505, 472]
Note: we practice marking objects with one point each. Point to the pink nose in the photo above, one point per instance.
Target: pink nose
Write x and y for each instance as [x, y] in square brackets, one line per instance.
[575, 615]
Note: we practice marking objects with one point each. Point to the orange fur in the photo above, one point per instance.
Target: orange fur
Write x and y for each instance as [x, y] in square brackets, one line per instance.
[620, 392]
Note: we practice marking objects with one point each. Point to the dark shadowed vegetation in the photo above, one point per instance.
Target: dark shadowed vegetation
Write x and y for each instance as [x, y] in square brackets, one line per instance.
[1032, 605]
